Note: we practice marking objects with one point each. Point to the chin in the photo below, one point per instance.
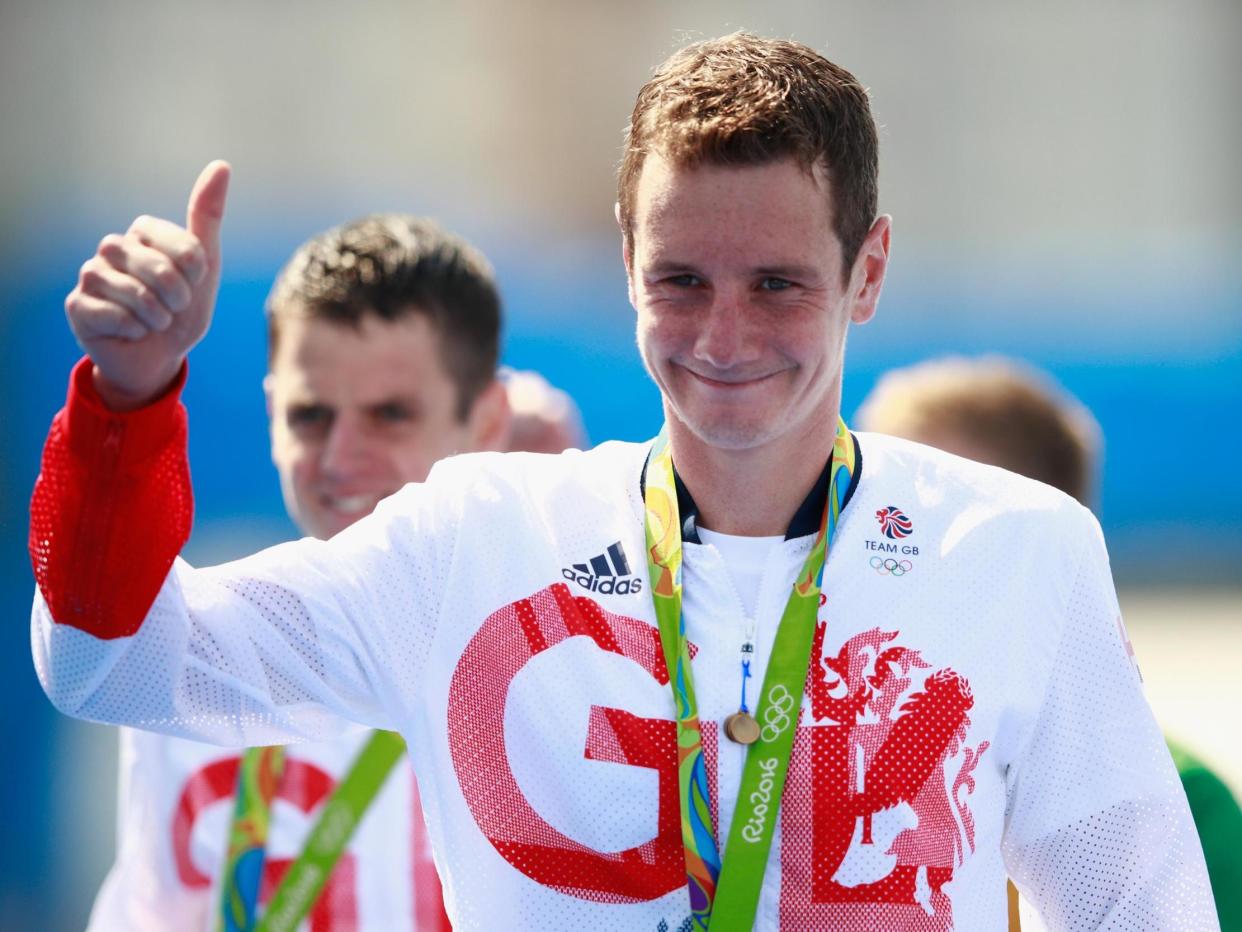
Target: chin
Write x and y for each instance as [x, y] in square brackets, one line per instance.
[313, 524]
[320, 528]
[724, 433]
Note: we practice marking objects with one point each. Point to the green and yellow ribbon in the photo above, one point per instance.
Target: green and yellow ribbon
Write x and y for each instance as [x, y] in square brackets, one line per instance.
[729, 888]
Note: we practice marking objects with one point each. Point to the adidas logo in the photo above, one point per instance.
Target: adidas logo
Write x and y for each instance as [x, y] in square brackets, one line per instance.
[607, 574]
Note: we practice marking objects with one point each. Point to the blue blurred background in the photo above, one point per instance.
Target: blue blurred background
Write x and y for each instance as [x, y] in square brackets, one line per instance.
[1064, 181]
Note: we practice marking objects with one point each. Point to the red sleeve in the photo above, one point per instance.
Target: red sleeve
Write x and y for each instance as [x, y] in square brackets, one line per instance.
[111, 508]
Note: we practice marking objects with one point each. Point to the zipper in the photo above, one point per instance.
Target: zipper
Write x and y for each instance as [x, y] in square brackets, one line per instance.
[90, 548]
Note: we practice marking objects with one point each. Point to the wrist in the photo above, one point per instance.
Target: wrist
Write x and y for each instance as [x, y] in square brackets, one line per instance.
[120, 397]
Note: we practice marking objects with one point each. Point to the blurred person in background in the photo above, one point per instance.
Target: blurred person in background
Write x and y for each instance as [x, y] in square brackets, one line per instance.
[1006, 413]
[578, 770]
[542, 417]
[383, 336]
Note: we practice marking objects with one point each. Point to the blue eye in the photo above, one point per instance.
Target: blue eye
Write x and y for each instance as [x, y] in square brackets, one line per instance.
[684, 281]
[775, 284]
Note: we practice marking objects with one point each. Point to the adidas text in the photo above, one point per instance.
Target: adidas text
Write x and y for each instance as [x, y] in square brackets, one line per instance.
[604, 585]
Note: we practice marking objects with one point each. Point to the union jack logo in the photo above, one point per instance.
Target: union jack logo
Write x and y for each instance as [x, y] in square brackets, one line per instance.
[893, 523]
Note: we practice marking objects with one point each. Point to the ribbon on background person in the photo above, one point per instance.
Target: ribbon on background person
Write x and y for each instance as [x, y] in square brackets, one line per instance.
[258, 776]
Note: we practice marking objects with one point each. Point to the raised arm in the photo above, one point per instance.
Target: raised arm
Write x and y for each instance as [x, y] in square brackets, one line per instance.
[103, 531]
[286, 644]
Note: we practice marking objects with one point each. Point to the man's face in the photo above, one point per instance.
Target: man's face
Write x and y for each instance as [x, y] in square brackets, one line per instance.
[736, 275]
[358, 413]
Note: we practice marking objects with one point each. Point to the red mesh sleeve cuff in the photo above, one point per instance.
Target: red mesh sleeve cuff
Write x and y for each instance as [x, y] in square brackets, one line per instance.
[111, 508]
[147, 429]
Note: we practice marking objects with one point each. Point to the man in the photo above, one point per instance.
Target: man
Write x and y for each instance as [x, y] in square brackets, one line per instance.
[1000, 412]
[383, 336]
[587, 750]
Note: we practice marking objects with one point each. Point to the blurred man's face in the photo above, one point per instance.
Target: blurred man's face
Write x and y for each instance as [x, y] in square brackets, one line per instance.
[736, 275]
[356, 413]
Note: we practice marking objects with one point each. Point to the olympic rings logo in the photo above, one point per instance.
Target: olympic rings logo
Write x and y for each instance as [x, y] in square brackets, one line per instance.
[775, 713]
[887, 566]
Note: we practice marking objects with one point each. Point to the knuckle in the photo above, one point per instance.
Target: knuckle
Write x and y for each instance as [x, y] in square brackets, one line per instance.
[142, 221]
[191, 254]
[147, 298]
[111, 243]
[165, 274]
[120, 252]
[90, 276]
[166, 277]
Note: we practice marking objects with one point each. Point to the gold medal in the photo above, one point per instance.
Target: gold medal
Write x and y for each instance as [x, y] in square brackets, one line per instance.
[742, 728]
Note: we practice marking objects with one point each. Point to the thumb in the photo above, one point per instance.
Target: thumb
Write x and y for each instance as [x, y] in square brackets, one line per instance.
[206, 208]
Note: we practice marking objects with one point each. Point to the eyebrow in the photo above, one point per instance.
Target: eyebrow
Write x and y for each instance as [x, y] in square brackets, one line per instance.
[667, 267]
[787, 271]
[409, 401]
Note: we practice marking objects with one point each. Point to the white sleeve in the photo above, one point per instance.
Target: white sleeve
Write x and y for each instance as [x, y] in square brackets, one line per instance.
[286, 645]
[1098, 833]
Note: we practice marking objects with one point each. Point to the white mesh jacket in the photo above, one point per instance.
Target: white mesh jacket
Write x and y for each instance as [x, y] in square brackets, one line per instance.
[174, 805]
[971, 711]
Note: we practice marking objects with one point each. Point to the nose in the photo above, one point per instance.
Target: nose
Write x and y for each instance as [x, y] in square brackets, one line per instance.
[723, 340]
[346, 449]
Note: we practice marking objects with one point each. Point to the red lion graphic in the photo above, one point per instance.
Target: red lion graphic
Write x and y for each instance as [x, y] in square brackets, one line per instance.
[887, 827]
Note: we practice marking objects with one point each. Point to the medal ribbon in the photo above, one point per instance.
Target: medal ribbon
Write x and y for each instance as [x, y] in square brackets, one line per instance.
[341, 814]
[730, 890]
[305, 878]
[258, 775]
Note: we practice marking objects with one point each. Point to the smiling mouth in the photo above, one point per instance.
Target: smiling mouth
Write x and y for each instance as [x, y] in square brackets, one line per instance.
[730, 383]
[352, 504]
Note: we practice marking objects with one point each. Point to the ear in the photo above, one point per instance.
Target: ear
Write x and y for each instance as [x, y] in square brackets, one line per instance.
[269, 392]
[268, 382]
[488, 423]
[627, 255]
[870, 267]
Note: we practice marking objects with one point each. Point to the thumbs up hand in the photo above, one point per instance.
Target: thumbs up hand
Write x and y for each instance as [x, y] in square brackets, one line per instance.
[146, 296]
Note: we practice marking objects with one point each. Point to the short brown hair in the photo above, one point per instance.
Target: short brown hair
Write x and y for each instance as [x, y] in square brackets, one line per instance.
[1008, 414]
[393, 265]
[745, 100]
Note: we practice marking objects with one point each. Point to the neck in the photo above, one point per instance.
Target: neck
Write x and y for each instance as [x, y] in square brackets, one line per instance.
[754, 492]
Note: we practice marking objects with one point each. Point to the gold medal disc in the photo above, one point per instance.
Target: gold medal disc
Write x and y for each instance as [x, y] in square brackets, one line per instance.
[742, 728]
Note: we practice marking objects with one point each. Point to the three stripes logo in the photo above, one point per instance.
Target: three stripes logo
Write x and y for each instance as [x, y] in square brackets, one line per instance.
[893, 523]
[608, 574]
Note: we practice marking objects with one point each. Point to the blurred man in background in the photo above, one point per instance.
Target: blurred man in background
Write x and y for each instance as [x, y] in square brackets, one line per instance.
[1004, 413]
[383, 336]
[994, 411]
[542, 417]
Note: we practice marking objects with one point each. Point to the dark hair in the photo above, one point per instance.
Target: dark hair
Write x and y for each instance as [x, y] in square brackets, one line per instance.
[393, 265]
[745, 100]
[1007, 413]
